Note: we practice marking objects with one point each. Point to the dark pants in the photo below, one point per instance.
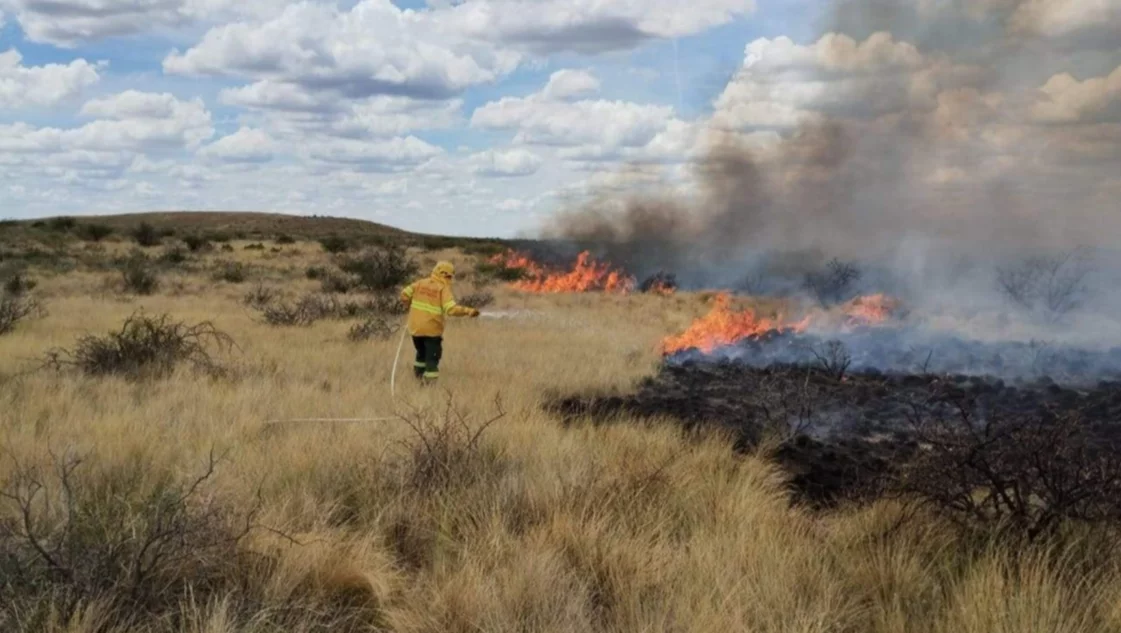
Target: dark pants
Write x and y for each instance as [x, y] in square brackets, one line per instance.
[428, 352]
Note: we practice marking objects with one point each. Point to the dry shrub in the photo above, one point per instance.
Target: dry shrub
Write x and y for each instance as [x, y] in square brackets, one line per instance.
[144, 347]
[18, 284]
[230, 272]
[1050, 286]
[379, 269]
[833, 284]
[138, 275]
[316, 307]
[260, 296]
[373, 328]
[478, 299]
[337, 284]
[16, 308]
[130, 536]
[1025, 476]
[446, 449]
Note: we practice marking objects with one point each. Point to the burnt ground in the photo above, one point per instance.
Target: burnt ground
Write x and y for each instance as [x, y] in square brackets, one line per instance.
[845, 431]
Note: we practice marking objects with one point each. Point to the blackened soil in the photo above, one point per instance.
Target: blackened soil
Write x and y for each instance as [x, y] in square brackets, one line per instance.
[845, 434]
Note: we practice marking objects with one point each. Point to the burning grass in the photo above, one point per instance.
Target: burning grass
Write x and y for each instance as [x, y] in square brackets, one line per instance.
[586, 275]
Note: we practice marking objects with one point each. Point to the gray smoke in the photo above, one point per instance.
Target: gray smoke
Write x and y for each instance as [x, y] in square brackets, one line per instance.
[935, 157]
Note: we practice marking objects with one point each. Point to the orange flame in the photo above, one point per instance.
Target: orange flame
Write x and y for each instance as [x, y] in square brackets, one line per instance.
[722, 326]
[586, 276]
[662, 288]
[870, 310]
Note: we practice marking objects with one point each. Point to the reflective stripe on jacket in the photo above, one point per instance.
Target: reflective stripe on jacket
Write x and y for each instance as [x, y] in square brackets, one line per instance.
[430, 301]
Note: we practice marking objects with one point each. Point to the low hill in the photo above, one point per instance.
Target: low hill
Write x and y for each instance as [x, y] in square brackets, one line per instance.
[238, 225]
[254, 225]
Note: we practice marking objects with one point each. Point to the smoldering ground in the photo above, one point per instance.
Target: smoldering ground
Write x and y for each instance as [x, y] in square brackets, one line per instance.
[938, 145]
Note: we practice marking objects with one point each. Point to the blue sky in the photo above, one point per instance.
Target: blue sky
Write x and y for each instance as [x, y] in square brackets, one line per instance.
[485, 117]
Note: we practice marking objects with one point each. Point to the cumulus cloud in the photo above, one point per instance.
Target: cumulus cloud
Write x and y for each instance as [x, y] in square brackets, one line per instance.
[380, 155]
[787, 85]
[373, 48]
[247, 145]
[596, 128]
[511, 162]
[132, 121]
[1061, 18]
[565, 84]
[1064, 99]
[36, 86]
[68, 23]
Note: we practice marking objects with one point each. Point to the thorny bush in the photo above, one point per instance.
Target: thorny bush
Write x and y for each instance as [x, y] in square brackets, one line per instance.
[833, 284]
[478, 300]
[130, 536]
[16, 308]
[446, 450]
[379, 269]
[1023, 475]
[373, 328]
[144, 347]
[1051, 286]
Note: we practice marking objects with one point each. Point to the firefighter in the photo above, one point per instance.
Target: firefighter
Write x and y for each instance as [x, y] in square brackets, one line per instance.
[430, 301]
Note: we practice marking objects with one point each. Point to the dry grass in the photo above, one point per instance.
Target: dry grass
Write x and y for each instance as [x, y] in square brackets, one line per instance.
[533, 527]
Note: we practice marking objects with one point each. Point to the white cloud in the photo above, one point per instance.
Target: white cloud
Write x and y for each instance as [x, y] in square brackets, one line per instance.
[28, 86]
[1058, 18]
[389, 154]
[786, 85]
[247, 145]
[513, 162]
[129, 121]
[543, 120]
[373, 48]
[68, 23]
[1064, 99]
[568, 83]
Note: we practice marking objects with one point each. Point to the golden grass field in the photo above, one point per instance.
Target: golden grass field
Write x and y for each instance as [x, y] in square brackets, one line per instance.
[619, 528]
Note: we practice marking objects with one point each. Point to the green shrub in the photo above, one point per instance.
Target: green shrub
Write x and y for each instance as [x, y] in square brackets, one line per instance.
[196, 243]
[335, 244]
[285, 239]
[315, 272]
[173, 255]
[62, 224]
[138, 275]
[146, 235]
[18, 284]
[94, 232]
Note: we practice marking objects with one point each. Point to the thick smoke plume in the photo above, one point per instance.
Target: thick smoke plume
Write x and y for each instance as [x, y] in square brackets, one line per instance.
[936, 143]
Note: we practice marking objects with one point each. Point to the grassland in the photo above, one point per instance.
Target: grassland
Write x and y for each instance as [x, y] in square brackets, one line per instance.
[471, 510]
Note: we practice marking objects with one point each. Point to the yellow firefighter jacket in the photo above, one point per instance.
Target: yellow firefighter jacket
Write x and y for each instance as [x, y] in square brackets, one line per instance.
[430, 300]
